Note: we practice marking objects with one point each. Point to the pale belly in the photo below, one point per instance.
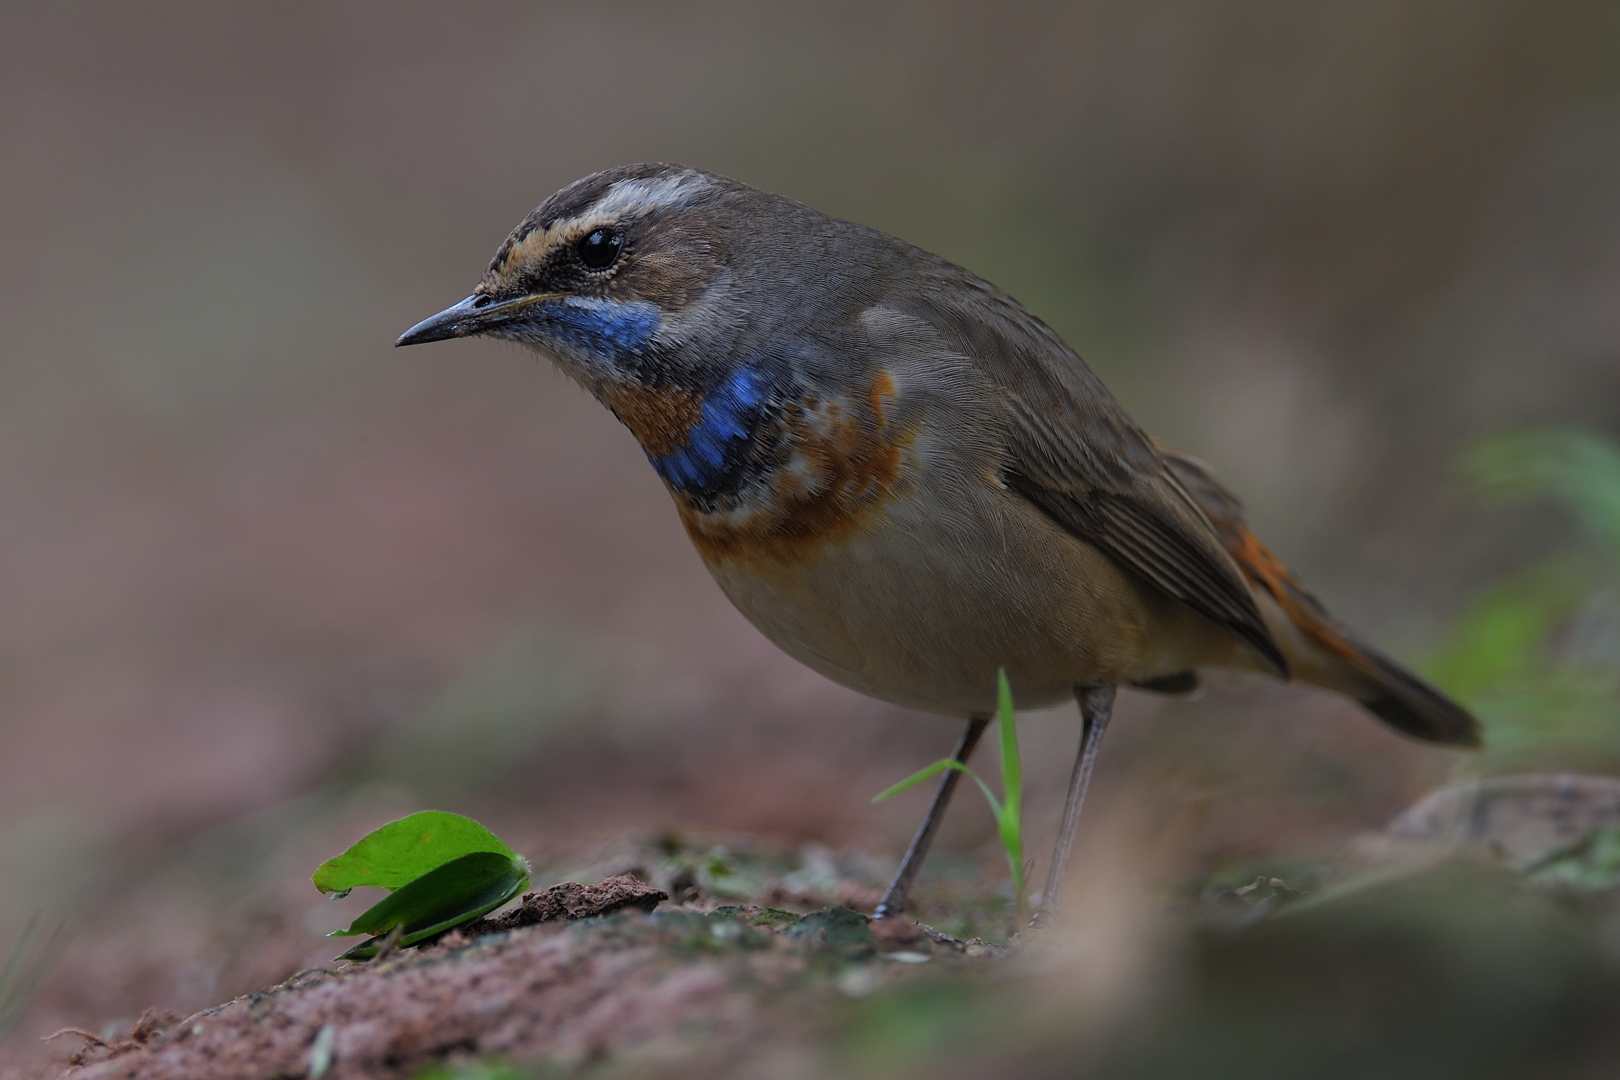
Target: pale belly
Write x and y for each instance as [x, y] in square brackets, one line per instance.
[921, 613]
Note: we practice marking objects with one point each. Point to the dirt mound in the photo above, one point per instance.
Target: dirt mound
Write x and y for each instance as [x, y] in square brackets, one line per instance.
[578, 973]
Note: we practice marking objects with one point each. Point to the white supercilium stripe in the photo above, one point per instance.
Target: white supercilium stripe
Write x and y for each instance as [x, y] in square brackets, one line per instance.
[650, 194]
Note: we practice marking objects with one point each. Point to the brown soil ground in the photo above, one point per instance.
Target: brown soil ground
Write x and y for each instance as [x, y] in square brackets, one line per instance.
[576, 975]
[1498, 958]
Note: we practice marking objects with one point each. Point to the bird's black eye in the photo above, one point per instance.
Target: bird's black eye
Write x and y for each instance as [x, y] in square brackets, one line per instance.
[599, 248]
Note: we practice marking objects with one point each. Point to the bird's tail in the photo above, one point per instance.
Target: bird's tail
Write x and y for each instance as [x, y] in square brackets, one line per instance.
[1407, 703]
[1320, 650]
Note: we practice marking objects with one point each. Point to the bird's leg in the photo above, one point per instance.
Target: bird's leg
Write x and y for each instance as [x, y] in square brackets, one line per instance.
[1096, 706]
[894, 901]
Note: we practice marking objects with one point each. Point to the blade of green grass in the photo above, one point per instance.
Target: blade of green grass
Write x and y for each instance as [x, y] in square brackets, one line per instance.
[1010, 815]
[929, 771]
[1008, 809]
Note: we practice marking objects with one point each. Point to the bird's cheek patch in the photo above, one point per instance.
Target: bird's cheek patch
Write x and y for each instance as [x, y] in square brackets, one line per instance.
[673, 282]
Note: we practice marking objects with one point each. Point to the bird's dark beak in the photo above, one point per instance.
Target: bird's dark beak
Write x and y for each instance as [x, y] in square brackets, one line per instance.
[457, 320]
[477, 314]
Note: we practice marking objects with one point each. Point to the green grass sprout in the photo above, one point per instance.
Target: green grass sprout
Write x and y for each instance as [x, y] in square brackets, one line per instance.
[1008, 810]
[26, 963]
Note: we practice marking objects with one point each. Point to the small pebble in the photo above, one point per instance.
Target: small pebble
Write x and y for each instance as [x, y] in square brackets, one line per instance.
[858, 982]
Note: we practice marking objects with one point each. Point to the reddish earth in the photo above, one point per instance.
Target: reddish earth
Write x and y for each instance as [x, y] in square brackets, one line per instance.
[1460, 962]
[577, 974]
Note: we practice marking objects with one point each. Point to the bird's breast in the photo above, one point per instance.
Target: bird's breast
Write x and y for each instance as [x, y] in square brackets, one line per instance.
[881, 551]
[703, 444]
[838, 460]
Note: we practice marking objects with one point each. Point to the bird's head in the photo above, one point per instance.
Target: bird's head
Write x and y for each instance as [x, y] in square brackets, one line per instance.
[622, 277]
[652, 286]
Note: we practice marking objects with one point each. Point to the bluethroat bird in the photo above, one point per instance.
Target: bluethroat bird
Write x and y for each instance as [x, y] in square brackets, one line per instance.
[901, 476]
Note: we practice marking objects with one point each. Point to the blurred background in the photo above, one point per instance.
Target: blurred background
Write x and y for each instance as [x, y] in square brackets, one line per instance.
[268, 582]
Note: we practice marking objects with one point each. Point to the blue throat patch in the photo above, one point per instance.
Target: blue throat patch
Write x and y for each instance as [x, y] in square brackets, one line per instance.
[604, 327]
[716, 448]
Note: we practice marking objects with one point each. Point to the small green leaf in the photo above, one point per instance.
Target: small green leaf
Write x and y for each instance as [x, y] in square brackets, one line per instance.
[404, 850]
[458, 892]
[372, 946]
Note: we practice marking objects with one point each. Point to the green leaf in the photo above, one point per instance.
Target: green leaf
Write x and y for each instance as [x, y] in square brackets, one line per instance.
[404, 850]
[457, 892]
[441, 893]
[372, 946]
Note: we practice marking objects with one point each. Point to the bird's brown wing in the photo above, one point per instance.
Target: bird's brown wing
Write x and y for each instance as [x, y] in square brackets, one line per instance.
[1072, 452]
[1140, 517]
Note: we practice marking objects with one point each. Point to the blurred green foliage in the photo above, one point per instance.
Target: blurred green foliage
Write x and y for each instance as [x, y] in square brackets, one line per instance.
[1591, 864]
[26, 961]
[1535, 654]
[1580, 469]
